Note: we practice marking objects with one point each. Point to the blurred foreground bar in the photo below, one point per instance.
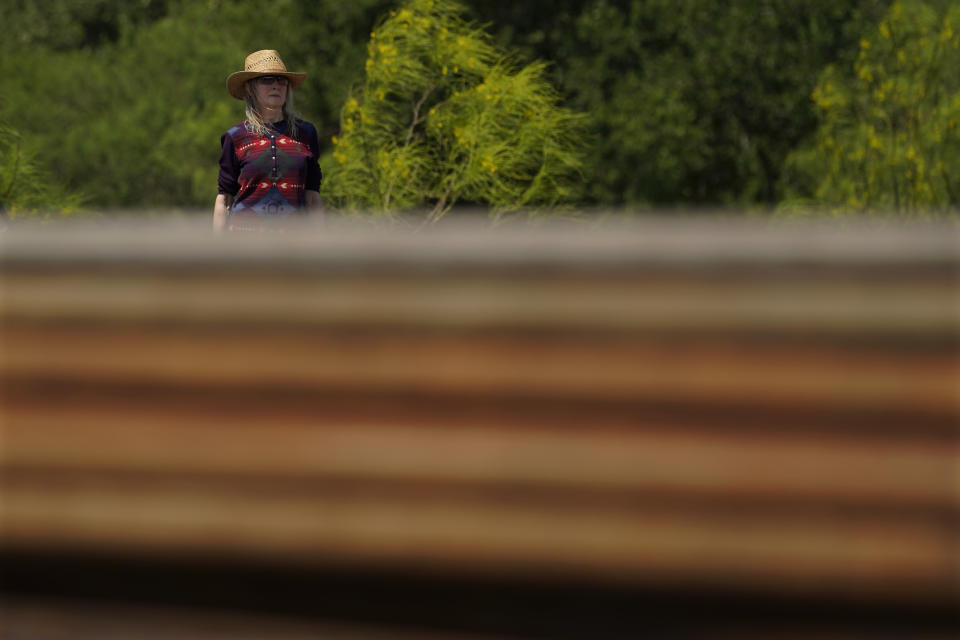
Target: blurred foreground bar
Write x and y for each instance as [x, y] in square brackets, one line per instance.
[740, 413]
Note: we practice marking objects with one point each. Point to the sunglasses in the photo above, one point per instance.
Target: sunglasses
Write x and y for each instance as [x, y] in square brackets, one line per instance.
[265, 81]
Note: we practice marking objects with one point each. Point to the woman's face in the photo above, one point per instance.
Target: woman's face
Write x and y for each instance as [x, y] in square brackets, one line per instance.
[271, 91]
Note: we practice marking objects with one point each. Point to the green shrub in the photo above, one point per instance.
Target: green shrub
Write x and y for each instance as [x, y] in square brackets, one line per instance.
[444, 117]
[889, 140]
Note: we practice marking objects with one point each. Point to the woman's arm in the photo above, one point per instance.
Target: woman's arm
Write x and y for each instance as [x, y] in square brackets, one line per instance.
[314, 205]
[220, 209]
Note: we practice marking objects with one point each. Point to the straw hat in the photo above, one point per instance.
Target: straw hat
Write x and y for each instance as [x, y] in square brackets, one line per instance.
[265, 62]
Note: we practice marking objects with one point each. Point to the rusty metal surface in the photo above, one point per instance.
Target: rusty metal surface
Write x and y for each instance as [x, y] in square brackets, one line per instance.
[726, 409]
[73, 620]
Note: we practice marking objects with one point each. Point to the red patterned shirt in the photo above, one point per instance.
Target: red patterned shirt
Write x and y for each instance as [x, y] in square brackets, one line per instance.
[268, 175]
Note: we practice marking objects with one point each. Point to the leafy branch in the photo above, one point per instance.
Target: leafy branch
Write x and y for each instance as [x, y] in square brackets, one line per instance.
[444, 116]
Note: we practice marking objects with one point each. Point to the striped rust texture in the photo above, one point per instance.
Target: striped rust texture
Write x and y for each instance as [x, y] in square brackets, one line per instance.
[762, 408]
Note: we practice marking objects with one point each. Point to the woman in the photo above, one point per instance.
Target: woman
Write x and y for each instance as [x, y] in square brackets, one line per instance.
[268, 167]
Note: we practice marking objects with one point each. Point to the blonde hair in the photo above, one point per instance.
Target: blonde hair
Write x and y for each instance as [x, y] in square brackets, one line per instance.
[255, 122]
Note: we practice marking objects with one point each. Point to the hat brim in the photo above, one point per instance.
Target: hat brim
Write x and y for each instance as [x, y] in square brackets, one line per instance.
[236, 80]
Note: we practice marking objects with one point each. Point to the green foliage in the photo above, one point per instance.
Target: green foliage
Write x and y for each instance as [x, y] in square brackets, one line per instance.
[26, 190]
[61, 25]
[695, 102]
[444, 116]
[130, 112]
[890, 134]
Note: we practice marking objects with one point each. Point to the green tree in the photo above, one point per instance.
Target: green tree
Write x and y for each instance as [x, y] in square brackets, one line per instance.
[890, 134]
[63, 26]
[26, 190]
[695, 102]
[444, 116]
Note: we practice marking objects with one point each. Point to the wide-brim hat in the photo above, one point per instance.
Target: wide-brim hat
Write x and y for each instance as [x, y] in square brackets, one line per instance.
[265, 62]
